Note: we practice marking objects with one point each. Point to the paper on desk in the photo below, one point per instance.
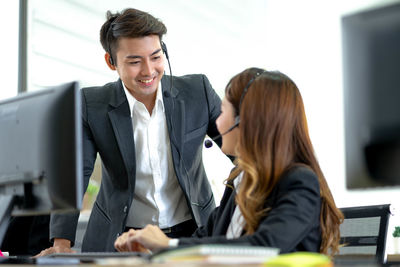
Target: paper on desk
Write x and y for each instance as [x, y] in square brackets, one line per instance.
[121, 261]
[217, 253]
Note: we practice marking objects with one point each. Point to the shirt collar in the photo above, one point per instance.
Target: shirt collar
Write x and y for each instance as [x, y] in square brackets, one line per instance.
[132, 100]
[237, 181]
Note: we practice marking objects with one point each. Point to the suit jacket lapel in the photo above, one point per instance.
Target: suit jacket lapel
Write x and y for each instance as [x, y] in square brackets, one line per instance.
[120, 117]
[174, 112]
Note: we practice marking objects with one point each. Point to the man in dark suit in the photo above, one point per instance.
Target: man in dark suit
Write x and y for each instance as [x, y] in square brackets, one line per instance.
[148, 129]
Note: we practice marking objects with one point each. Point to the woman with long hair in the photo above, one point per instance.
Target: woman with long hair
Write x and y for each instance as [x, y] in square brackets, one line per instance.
[276, 195]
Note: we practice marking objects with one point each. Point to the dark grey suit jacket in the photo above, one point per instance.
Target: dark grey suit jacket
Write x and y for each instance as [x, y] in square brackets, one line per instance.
[292, 224]
[191, 108]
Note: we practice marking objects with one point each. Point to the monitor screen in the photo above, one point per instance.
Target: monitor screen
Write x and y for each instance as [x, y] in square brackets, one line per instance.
[371, 75]
[41, 151]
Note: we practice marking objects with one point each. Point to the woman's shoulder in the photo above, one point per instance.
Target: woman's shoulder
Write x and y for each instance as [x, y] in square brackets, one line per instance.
[300, 175]
[300, 170]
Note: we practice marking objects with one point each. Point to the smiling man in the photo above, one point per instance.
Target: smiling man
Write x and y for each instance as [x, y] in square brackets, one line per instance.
[141, 67]
[148, 129]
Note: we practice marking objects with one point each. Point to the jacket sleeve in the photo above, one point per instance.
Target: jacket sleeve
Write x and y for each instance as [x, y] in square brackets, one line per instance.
[207, 229]
[214, 107]
[63, 225]
[218, 216]
[294, 212]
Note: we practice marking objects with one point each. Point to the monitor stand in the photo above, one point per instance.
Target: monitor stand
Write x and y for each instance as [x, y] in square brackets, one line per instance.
[6, 207]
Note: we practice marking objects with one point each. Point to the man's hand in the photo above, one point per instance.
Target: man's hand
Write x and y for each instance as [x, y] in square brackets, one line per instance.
[150, 237]
[60, 246]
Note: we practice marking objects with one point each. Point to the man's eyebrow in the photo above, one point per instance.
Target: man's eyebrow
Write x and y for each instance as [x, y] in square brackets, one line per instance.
[134, 56]
[155, 52]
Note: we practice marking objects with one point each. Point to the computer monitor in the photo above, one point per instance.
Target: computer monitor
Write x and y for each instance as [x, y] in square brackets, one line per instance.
[40, 153]
[371, 73]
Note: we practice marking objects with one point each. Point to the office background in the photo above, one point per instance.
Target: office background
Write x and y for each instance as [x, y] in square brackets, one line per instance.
[216, 37]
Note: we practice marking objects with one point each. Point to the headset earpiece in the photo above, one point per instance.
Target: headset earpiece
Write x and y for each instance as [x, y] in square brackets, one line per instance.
[110, 60]
[164, 49]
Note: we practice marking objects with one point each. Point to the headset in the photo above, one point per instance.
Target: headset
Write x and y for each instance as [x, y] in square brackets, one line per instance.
[109, 30]
[165, 51]
[110, 59]
[208, 142]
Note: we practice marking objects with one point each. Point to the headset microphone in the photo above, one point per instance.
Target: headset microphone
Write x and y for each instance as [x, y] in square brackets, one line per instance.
[208, 142]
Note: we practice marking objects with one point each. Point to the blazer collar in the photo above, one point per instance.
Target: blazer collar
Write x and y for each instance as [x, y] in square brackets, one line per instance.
[166, 86]
[119, 97]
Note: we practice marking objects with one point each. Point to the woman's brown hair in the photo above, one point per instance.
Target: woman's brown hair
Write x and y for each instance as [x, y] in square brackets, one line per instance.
[274, 138]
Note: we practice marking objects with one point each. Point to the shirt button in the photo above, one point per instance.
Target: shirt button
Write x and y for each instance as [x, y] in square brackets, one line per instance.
[125, 209]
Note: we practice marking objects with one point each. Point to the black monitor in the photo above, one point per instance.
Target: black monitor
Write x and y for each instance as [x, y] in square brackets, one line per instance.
[371, 73]
[40, 153]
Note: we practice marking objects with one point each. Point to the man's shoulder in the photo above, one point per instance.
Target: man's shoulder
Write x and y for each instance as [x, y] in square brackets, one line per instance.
[190, 85]
[188, 79]
[103, 88]
[192, 76]
[101, 93]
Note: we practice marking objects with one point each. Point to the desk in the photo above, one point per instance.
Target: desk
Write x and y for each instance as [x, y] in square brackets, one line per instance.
[183, 264]
[393, 258]
[358, 260]
[142, 265]
[111, 262]
[118, 261]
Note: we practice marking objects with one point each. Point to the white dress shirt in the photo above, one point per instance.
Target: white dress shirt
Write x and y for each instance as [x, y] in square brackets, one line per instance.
[158, 197]
[236, 225]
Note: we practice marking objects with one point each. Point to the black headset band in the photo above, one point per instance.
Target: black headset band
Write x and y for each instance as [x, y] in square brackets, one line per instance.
[246, 88]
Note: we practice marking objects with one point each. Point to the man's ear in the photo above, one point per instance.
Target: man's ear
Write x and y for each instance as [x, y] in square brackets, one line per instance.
[109, 61]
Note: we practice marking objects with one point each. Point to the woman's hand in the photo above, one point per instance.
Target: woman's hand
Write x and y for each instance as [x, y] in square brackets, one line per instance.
[122, 244]
[151, 237]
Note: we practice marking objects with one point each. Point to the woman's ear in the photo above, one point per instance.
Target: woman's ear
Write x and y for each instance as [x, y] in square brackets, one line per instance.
[109, 61]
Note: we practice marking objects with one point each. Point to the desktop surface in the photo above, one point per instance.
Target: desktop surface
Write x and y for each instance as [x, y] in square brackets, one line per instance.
[138, 259]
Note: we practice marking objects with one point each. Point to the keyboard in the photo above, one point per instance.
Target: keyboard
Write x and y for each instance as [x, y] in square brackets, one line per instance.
[92, 256]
